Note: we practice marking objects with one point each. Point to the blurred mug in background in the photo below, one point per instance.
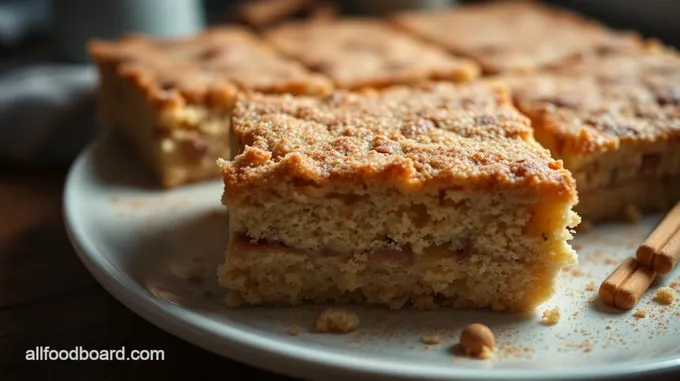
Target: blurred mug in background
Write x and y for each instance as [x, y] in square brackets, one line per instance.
[382, 7]
[77, 21]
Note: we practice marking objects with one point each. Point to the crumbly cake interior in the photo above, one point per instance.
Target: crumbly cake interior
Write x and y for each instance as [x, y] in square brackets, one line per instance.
[179, 144]
[407, 195]
[615, 123]
[353, 219]
[468, 250]
[269, 274]
[364, 52]
[510, 36]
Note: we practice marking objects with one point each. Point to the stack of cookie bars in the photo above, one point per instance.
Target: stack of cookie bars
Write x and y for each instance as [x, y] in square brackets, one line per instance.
[426, 158]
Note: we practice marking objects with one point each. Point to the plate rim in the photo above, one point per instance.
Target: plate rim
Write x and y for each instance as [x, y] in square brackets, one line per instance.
[264, 353]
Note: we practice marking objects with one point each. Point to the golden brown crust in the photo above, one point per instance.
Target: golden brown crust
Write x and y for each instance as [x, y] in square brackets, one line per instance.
[439, 135]
[207, 68]
[600, 105]
[363, 52]
[513, 35]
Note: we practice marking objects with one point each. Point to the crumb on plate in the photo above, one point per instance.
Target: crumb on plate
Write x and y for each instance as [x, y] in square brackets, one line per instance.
[665, 295]
[551, 316]
[431, 339]
[610, 261]
[640, 313]
[337, 320]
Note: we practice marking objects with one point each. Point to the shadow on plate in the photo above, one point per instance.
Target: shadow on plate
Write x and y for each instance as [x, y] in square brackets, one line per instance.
[115, 164]
[176, 259]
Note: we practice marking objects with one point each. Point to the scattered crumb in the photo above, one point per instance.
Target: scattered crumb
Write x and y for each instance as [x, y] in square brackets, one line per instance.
[584, 226]
[610, 261]
[293, 331]
[573, 271]
[640, 313]
[337, 320]
[665, 295]
[551, 316]
[477, 340]
[590, 286]
[631, 213]
[578, 247]
[507, 349]
[575, 314]
[431, 339]
[608, 327]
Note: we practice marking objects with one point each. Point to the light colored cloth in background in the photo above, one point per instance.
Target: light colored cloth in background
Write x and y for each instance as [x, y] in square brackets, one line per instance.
[45, 109]
[47, 113]
[18, 18]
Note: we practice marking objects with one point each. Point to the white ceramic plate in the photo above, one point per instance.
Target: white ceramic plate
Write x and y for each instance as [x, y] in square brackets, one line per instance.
[156, 251]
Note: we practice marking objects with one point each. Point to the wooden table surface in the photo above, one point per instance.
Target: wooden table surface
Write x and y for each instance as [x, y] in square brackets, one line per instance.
[47, 298]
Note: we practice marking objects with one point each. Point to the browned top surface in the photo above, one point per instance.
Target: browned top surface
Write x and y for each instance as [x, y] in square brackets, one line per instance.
[212, 65]
[440, 134]
[656, 66]
[512, 35]
[599, 105]
[359, 52]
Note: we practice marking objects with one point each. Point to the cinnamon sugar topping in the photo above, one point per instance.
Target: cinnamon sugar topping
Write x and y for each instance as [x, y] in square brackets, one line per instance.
[208, 67]
[359, 53]
[516, 36]
[591, 106]
[468, 135]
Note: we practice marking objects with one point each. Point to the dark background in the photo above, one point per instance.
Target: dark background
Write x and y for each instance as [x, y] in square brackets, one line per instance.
[657, 18]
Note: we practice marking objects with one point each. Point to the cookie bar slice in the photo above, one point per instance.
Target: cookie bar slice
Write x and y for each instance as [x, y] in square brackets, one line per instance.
[431, 195]
[510, 36]
[363, 52]
[171, 99]
[615, 122]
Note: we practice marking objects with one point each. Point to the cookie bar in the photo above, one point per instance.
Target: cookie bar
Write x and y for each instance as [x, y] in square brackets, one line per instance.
[615, 122]
[171, 99]
[509, 36]
[425, 196]
[362, 52]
